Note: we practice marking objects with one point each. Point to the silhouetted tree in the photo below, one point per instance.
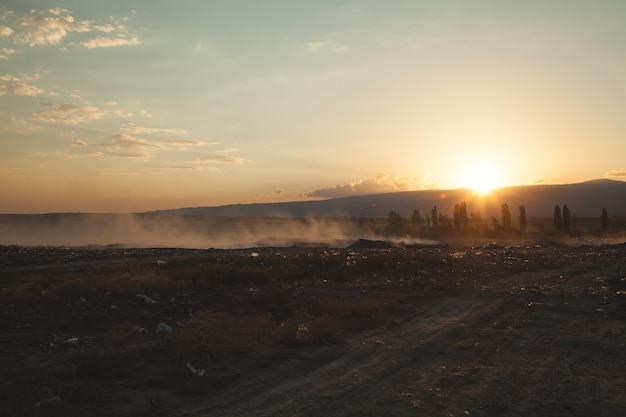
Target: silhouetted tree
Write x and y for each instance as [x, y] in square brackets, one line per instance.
[396, 224]
[522, 220]
[506, 217]
[496, 225]
[444, 220]
[476, 221]
[460, 216]
[416, 219]
[605, 221]
[434, 217]
[567, 219]
[558, 220]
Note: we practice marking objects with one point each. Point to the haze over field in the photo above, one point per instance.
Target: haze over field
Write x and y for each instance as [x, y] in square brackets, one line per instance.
[146, 105]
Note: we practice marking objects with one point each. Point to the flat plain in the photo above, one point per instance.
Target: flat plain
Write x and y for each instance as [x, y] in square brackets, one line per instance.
[493, 329]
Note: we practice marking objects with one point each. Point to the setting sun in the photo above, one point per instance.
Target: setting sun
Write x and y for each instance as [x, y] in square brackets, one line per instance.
[481, 179]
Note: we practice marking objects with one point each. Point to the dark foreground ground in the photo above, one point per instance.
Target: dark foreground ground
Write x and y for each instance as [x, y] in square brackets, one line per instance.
[534, 330]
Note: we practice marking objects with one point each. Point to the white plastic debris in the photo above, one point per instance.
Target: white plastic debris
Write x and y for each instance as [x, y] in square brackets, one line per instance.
[196, 372]
[139, 330]
[161, 262]
[145, 298]
[163, 328]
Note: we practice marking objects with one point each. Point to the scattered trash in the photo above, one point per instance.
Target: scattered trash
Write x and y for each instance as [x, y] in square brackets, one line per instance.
[145, 298]
[81, 300]
[163, 328]
[196, 372]
[139, 330]
[72, 341]
[255, 254]
[50, 404]
[161, 262]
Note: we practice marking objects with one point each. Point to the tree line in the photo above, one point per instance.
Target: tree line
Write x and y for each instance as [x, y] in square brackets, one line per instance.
[474, 224]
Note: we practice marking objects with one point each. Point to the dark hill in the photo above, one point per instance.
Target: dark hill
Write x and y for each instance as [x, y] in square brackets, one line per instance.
[584, 199]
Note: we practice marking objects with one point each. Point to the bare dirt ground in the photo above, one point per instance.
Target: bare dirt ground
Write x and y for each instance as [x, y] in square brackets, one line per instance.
[536, 330]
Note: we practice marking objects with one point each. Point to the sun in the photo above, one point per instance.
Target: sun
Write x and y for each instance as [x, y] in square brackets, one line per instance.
[481, 178]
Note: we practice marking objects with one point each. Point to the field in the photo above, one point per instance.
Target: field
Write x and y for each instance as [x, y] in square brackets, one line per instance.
[535, 329]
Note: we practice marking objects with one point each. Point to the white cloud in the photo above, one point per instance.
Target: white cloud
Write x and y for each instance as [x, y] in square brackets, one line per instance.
[106, 42]
[48, 27]
[21, 90]
[79, 143]
[5, 31]
[68, 114]
[108, 28]
[53, 26]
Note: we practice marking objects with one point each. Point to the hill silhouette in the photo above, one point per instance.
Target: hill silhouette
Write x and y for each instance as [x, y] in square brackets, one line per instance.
[585, 199]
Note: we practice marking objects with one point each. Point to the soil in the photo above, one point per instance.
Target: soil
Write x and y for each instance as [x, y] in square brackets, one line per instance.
[530, 330]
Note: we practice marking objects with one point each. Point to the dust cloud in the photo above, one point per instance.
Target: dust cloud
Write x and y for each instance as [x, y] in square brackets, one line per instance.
[165, 230]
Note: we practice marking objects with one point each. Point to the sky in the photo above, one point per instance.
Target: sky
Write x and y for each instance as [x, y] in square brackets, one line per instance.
[137, 105]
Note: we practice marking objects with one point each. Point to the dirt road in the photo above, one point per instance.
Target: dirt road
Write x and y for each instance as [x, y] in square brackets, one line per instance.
[544, 343]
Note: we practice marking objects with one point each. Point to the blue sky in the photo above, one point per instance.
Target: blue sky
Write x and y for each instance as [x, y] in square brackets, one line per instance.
[140, 105]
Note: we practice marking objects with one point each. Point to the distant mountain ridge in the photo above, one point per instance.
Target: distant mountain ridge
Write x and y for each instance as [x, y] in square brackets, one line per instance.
[584, 199]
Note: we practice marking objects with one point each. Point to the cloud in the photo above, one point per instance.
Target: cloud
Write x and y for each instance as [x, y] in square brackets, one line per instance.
[223, 159]
[68, 114]
[48, 27]
[79, 143]
[5, 52]
[106, 42]
[5, 31]
[24, 126]
[327, 46]
[134, 129]
[277, 191]
[123, 140]
[188, 168]
[53, 26]
[616, 173]
[133, 155]
[382, 183]
[20, 90]
[182, 142]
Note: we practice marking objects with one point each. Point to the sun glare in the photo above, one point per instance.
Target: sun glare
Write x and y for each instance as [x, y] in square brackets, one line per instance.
[481, 179]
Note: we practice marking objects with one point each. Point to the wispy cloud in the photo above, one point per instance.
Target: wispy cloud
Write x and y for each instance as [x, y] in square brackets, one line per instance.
[220, 158]
[24, 126]
[327, 47]
[124, 140]
[106, 42]
[50, 27]
[5, 52]
[616, 173]
[68, 114]
[20, 89]
[135, 129]
[133, 155]
[382, 183]
[188, 168]
[79, 143]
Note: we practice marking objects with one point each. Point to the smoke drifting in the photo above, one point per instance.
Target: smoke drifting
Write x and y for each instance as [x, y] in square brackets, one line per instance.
[165, 230]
